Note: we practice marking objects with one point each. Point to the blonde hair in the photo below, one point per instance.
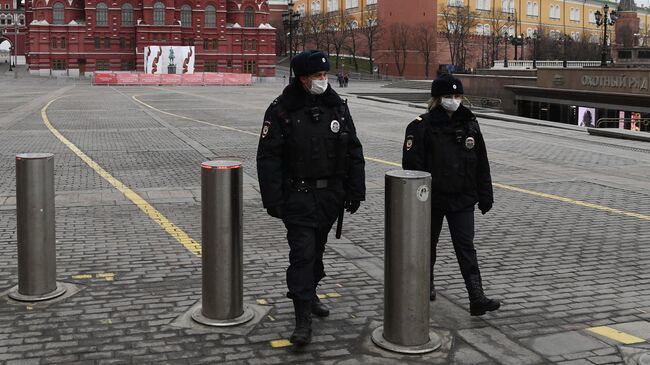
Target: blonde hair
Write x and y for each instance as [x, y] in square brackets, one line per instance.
[433, 102]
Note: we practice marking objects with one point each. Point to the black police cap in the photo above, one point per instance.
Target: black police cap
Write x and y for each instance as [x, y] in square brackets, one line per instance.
[446, 85]
[310, 62]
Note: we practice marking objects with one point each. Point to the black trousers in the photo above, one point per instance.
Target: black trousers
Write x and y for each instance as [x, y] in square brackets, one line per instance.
[461, 228]
[306, 269]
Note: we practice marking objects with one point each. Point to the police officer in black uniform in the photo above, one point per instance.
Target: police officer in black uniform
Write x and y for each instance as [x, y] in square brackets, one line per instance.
[447, 142]
[310, 167]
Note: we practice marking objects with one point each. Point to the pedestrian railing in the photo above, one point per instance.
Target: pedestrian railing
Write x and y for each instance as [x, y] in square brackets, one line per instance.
[528, 64]
[635, 123]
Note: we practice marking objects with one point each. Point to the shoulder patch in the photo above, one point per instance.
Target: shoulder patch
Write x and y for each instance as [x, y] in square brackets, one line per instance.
[408, 143]
[418, 118]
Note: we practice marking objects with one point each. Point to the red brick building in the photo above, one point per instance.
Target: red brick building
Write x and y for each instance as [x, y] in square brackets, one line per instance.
[76, 37]
[12, 28]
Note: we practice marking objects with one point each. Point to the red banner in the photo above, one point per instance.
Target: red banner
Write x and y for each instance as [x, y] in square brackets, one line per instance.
[213, 78]
[128, 79]
[149, 79]
[237, 79]
[104, 78]
[193, 79]
[170, 79]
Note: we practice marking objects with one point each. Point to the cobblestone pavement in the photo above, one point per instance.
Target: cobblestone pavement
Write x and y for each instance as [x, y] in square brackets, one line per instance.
[567, 246]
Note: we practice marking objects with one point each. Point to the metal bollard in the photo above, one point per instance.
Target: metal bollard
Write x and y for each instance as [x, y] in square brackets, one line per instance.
[36, 230]
[222, 246]
[407, 265]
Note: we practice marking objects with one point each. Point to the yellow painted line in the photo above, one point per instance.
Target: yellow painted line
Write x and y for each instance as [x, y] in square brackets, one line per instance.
[82, 276]
[106, 321]
[321, 296]
[399, 165]
[616, 335]
[147, 208]
[271, 317]
[262, 302]
[333, 295]
[192, 119]
[104, 275]
[280, 343]
[339, 285]
[29, 307]
[574, 201]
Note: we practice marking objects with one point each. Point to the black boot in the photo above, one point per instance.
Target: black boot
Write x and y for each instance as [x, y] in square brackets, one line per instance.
[318, 308]
[432, 293]
[301, 335]
[479, 304]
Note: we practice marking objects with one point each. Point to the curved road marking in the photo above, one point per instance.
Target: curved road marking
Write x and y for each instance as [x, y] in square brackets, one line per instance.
[395, 164]
[147, 208]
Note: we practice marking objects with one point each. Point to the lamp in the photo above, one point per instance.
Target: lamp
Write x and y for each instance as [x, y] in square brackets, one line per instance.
[290, 19]
[605, 19]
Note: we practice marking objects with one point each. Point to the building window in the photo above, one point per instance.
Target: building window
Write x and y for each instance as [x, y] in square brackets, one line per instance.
[107, 42]
[127, 65]
[229, 63]
[122, 43]
[332, 5]
[351, 4]
[483, 4]
[186, 16]
[315, 7]
[159, 13]
[97, 42]
[249, 17]
[21, 20]
[210, 17]
[245, 46]
[53, 43]
[214, 44]
[58, 14]
[102, 65]
[555, 12]
[205, 44]
[210, 66]
[191, 43]
[127, 15]
[62, 42]
[254, 45]
[102, 15]
[58, 64]
[250, 67]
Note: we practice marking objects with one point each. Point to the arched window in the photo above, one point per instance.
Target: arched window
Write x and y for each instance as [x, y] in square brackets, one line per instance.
[315, 7]
[58, 14]
[210, 16]
[249, 17]
[186, 16]
[102, 14]
[159, 13]
[127, 14]
[21, 20]
[535, 9]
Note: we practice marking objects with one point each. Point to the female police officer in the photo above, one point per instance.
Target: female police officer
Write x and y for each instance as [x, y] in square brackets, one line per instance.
[447, 142]
[310, 165]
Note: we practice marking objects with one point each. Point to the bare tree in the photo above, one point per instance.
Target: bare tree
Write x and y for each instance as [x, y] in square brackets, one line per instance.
[352, 29]
[313, 25]
[371, 32]
[458, 21]
[339, 35]
[624, 36]
[501, 20]
[425, 42]
[398, 37]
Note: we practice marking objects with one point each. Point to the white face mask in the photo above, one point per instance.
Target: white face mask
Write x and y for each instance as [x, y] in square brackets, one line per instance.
[318, 87]
[450, 104]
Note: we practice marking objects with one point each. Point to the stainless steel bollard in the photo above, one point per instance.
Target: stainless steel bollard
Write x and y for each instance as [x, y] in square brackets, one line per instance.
[36, 230]
[222, 245]
[407, 265]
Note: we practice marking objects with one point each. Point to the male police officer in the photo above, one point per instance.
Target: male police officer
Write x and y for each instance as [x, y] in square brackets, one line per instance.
[310, 165]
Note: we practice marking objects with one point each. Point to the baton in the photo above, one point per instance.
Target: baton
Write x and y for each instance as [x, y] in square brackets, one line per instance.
[339, 223]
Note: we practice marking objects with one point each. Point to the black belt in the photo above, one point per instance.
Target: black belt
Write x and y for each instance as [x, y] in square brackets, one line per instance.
[312, 184]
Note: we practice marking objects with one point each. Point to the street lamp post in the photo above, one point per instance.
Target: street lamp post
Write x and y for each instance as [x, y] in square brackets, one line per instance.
[605, 19]
[505, 43]
[290, 19]
[535, 39]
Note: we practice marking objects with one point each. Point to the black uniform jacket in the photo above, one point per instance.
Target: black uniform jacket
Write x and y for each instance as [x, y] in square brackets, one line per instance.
[276, 153]
[453, 151]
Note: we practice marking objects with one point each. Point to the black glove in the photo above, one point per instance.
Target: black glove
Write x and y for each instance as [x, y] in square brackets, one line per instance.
[351, 206]
[484, 207]
[275, 211]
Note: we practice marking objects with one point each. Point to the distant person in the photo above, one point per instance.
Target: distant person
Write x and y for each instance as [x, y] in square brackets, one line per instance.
[339, 78]
[346, 79]
[447, 142]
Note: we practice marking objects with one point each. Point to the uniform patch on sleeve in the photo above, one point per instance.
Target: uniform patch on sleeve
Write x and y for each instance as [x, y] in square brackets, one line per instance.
[418, 118]
[409, 142]
[265, 128]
